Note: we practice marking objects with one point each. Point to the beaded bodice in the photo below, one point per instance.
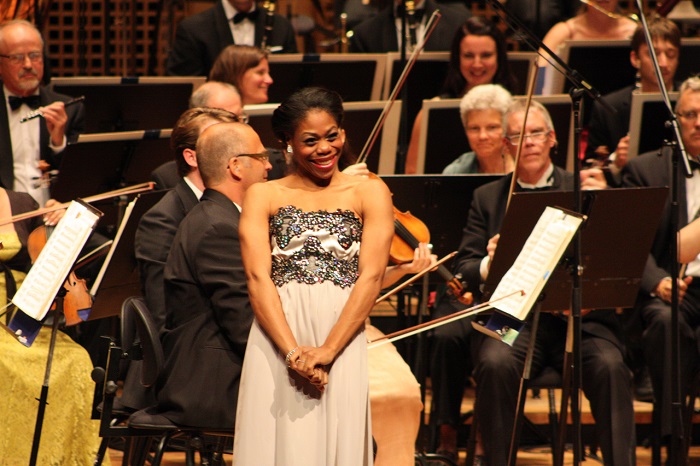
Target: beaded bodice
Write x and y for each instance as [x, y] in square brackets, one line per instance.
[313, 247]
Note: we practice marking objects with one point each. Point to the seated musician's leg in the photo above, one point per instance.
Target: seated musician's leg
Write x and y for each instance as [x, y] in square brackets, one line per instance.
[498, 369]
[449, 366]
[656, 315]
[395, 401]
[607, 383]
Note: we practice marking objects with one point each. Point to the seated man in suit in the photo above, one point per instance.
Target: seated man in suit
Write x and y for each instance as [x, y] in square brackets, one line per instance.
[654, 300]
[607, 132]
[158, 226]
[216, 94]
[497, 366]
[200, 38]
[382, 33]
[208, 313]
[26, 147]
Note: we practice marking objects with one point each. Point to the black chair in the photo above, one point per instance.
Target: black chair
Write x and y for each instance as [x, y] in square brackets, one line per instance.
[140, 337]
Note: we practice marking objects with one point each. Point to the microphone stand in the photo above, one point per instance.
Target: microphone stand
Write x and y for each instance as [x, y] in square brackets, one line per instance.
[679, 154]
[580, 87]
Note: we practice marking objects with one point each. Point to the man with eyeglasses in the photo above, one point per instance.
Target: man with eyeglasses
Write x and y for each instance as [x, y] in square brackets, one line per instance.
[499, 367]
[26, 147]
[654, 300]
[208, 313]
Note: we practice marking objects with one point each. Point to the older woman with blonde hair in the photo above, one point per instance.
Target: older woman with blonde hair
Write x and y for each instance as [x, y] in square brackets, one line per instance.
[482, 110]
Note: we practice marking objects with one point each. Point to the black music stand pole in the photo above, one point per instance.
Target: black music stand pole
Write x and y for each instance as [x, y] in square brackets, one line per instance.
[43, 398]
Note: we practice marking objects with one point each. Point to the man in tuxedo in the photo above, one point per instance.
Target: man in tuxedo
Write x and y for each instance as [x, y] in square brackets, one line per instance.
[200, 38]
[654, 300]
[26, 147]
[607, 132]
[382, 33]
[497, 366]
[208, 313]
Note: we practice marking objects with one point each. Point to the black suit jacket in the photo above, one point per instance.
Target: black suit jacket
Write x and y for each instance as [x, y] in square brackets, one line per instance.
[208, 317]
[200, 38]
[74, 126]
[650, 169]
[378, 34]
[484, 221]
[606, 128]
[154, 236]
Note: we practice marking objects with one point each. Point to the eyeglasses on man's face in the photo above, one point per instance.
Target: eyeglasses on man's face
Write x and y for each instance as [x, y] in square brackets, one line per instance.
[19, 58]
[690, 115]
[538, 136]
[263, 156]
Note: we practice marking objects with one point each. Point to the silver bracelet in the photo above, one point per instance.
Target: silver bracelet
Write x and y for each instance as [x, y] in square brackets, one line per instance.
[289, 355]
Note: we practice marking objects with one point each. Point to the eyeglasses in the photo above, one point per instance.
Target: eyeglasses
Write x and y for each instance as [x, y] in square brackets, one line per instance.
[263, 156]
[691, 115]
[539, 136]
[19, 58]
[243, 118]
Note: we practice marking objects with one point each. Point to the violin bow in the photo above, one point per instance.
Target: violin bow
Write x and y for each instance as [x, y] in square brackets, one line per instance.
[138, 188]
[420, 328]
[429, 28]
[415, 277]
[530, 92]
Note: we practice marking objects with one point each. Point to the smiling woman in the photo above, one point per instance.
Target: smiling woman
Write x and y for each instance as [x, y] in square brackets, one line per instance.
[245, 67]
[315, 245]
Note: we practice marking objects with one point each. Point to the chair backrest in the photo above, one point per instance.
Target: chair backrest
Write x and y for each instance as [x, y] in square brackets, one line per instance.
[135, 315]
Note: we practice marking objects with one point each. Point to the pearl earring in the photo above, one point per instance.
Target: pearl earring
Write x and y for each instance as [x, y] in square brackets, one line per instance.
[289, 148]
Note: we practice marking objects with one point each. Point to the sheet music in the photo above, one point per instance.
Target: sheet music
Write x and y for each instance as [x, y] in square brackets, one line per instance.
[108, 259]
[53, 265]
[536, 262]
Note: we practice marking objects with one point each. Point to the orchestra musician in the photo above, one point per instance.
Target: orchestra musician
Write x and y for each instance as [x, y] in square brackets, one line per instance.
[208, 313]
[498, 367]
[23, 146]
[200, 38]
[607, 131]
[247, 68]
[67, 420]
[654, 300]
[382, 33]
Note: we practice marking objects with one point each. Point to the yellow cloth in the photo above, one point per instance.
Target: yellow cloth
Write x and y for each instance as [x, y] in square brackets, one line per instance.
[68, 436]
[10, 247]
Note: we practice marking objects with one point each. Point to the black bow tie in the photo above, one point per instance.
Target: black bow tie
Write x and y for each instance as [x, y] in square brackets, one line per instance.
[33, 101]
[418, 13]
[694, 164]
[240, 16]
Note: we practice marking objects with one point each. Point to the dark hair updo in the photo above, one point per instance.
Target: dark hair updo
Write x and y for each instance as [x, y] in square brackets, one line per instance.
[291, 112]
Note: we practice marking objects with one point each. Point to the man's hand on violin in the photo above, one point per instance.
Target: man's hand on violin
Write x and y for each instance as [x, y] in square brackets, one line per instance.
[663, 289]
[52, 218]
[622, 152]
[491, 249]
[56, 119]
[422, 259]
[593, 178]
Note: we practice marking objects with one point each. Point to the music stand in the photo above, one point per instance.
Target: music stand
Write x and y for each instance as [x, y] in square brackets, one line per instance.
[119, 277]
[648, 116]
[594, 59]
[359, 121]
[356, 77]
[128, 104]
[442, 138]
[612, 273]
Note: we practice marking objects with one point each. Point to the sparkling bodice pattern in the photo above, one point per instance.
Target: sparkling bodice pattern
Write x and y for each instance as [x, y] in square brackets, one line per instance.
[313, 247]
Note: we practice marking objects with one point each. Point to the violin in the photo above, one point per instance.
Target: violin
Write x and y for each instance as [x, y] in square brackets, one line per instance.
[77, 297]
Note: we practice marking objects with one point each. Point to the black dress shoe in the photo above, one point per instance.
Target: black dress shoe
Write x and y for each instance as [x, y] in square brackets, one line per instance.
[147, 419]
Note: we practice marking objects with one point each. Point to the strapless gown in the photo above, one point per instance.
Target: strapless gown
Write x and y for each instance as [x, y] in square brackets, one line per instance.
[281, 418]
